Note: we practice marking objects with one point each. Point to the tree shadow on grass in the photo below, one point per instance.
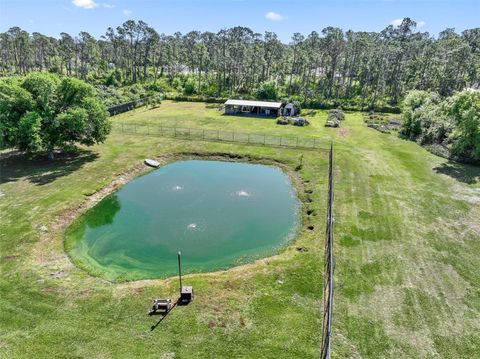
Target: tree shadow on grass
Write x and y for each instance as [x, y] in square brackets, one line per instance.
[40, 171]
[215, 106]
[461, 172]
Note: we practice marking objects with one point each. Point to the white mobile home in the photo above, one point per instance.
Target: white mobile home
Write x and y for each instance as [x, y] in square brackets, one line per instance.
[253, 108]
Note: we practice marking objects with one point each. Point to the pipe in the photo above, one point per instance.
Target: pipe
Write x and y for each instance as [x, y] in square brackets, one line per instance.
[180, 270]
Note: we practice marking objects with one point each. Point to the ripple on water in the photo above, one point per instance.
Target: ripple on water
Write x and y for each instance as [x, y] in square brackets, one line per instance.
[195, 225]
[243, 193]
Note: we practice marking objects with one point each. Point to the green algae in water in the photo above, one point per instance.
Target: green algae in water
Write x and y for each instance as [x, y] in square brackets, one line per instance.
[218, 214]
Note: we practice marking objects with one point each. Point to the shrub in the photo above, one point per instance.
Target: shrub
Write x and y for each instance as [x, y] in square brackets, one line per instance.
[113, 78]
[464, 110]
[452, 123]
[267, 91]
[189, 87]
[334, 118]
[382, 122]
[336, 114]
[154, 102]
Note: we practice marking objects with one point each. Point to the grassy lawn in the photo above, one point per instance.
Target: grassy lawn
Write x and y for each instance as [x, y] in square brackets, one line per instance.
[209, 116]
[407, 255]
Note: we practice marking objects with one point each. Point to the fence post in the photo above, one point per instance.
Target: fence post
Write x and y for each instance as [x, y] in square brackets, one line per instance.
[294, 142]
[328, 285]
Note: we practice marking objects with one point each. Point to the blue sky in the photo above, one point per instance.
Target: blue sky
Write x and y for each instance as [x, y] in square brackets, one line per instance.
[284, 17]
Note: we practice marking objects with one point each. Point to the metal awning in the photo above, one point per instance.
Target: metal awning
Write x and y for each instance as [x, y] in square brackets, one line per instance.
[267, 104]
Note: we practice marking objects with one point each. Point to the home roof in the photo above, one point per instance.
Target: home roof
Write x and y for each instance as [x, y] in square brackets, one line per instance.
[254, 103]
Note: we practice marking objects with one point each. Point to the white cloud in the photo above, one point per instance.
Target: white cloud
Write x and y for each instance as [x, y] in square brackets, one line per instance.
[396, 22]
[421, 24]
[274, 16]
[127, 12]
[85, 4]
[108, 6]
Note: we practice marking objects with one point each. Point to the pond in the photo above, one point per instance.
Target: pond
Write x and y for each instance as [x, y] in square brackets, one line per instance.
[218, 214]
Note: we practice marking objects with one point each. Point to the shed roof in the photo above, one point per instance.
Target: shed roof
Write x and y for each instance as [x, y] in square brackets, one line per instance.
[254, 103]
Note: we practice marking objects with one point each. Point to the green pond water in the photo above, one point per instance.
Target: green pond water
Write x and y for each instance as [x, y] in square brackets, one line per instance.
[218, 214]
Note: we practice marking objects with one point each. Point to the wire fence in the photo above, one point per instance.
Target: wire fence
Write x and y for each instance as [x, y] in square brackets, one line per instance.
[222, 136]
[256, 139]
[329, 268]
[127, 106]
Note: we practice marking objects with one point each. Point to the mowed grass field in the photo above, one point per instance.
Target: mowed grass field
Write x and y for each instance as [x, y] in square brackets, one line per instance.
[211, 117]
[407, 247]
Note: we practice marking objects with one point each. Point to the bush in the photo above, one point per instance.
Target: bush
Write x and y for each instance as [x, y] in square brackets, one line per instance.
[334, 118]
[267, 91]
[414, 108]
[194, 98]
[189, 87]
[112, 96]
[332, 123]
[336, 114]
[452, 123]
[154, 102]
[113, 78]
[382, 122]
[464, 110]
[298, 106]
[295, 121]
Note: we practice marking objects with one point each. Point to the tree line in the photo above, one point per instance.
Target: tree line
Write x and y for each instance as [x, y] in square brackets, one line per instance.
[364, 69]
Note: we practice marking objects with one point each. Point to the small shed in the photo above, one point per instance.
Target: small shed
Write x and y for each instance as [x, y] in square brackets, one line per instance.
[253, 108]
[289, 110]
